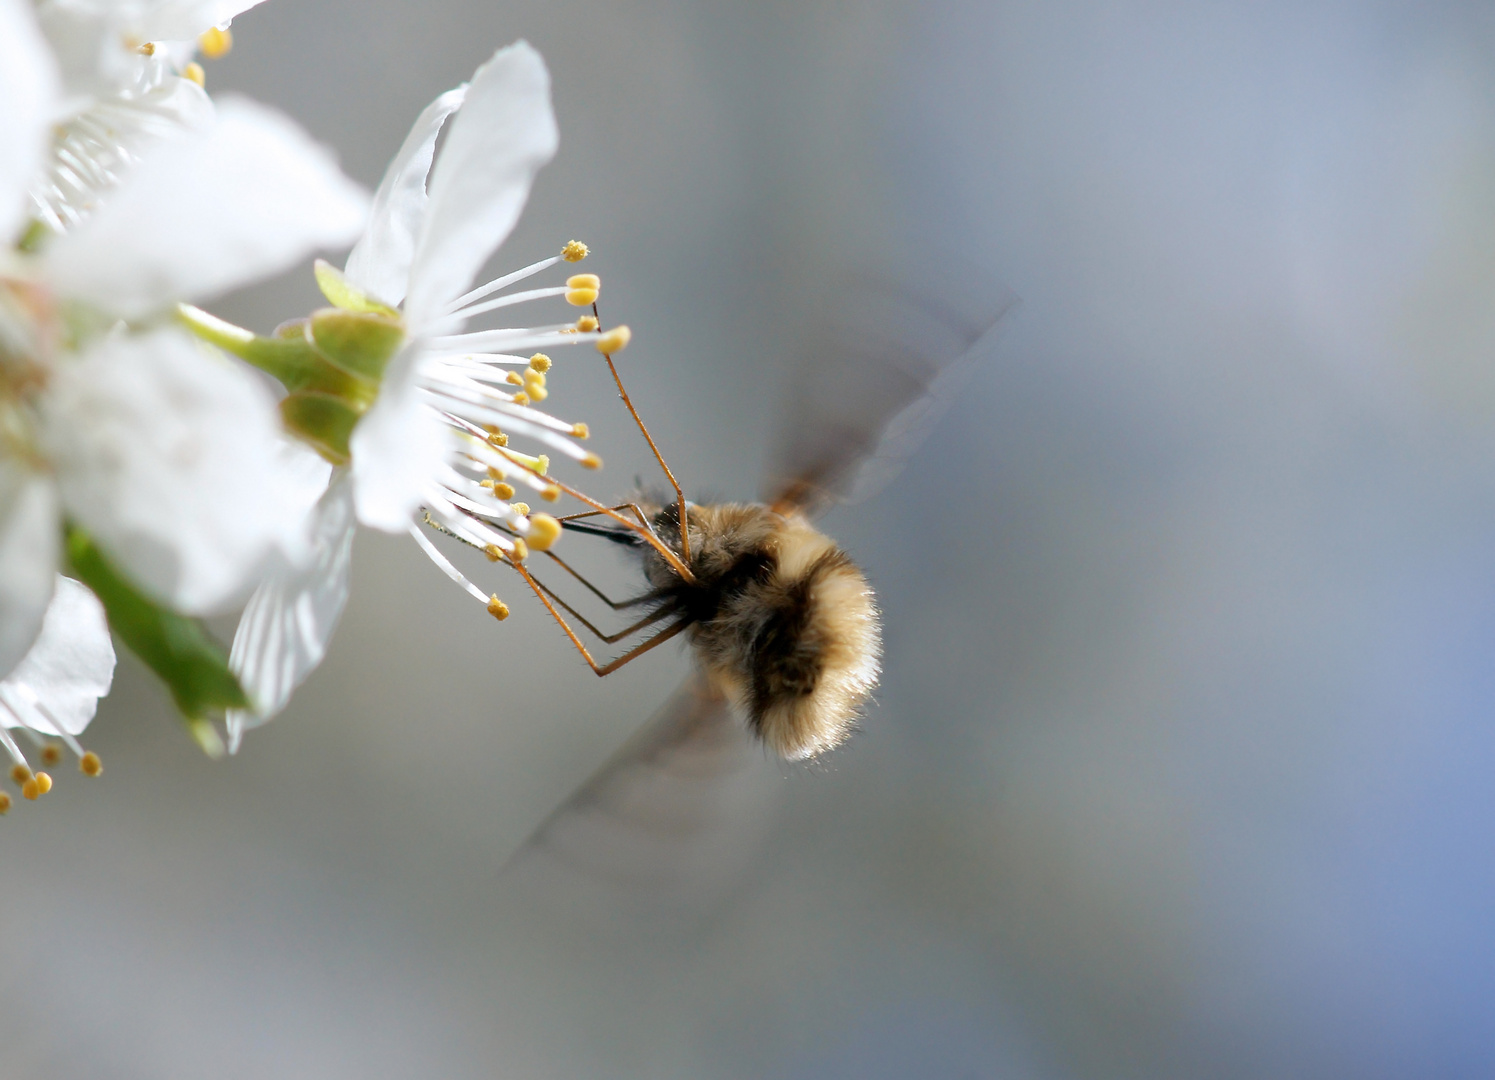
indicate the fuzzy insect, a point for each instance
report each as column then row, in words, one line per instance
column 780, row 619
column 783, row 625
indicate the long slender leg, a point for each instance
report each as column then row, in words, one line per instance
column 643, row 519
column 610, row 639
column 679, row 494
column 616, row 605
column 612, row 665
column 647, row 620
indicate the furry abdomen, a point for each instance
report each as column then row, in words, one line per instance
column 785, row 623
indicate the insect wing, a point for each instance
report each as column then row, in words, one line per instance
column 665, row 826
column 876, row 380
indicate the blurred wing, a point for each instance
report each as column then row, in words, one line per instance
column 875, row 382
column 667, row 826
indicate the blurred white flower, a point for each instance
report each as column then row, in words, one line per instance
column 437, row 435
column 128, row 80
column 106, row 48
column 55, row 689
column 165, row 451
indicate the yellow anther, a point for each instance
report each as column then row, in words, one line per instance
column 215, row 42
column 581, row 297
column 550, row 494
column 581, row 431
column 574, row 251
column 494, row 552
column 521, row 398
column 51, row 753
column 539, row 362
column 542, row 464
column 4, row 803
column 615, row 340
column 520, row 508
column 194, row 72
column 495, row 473
column 520, row 552
column 591, row 461
column 533, row 378
column 503, row 491
column 497, row 608
column 43, row 783
column 543, row 531
column 20, row 774
column 147, row 49
column 90, row 765
column 496, row 437
column 583, row 281
column 31, row 789
column 538, row 393
column 586, row 324
column 514, row 378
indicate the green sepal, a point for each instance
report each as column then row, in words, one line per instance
column 342, row 293
column 177, row 648
column 358, row 341
column 290, row 355
column 322, row 420
column 36, row 233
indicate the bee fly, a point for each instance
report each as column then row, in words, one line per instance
column 782, row 623
column 780, row 619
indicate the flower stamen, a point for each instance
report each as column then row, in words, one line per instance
column 216, row 42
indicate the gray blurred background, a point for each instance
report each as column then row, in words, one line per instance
column 1182, row 763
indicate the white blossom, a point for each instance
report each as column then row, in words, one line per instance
column 429, row 440
column 164, row 450
column 55, row 689
column 128, row 81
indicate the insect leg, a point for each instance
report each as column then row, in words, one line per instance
column 616, row 605
column 679, row 495
column 647, row 620
column 612, row 665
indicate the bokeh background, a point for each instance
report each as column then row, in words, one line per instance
column 1182, row 765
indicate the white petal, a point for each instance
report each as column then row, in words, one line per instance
column 380, row 263
column 397, row 448
column 248, row 198
column 166, row 451
column 185, row 20
column 28, row 94
column 503, row 135
column 69, row 668
column 97, row 148
column 285, row 629
column 91, row 44
column 29, row 546
column 303, row 475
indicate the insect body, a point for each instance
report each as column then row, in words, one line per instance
column 782, row 622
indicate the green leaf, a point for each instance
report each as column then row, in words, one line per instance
column 342, row 293
column 176, row 648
